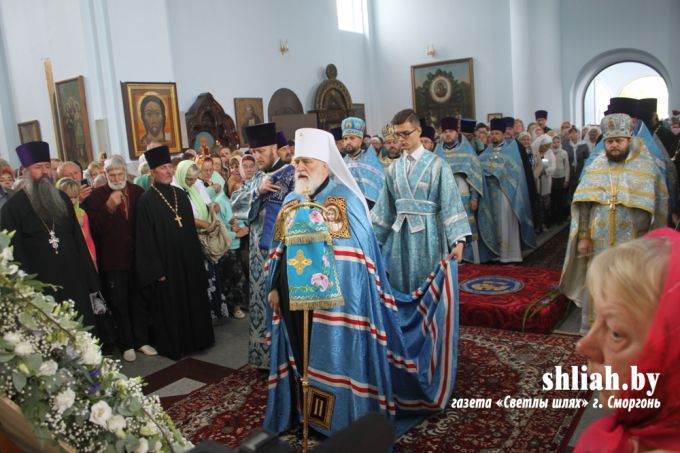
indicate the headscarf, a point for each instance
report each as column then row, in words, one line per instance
column 196, row 199
column 142, row 181
column 586, row 139
column 246, row 157
column 655, row 428
column 544, row 139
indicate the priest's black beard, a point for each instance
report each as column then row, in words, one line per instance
column 46, row 200
column 619, row 158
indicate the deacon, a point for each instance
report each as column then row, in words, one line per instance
column 621, row 196
column 361, row 357
column 169, row 263
column 258, row 202
column 48, row 240
column 112, row 210
column 362, row 163
column 504, row 214
column 391, row 150
column 467, row 171
column 419, row 218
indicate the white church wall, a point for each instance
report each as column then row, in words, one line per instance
column 597, row 34
column 468, row 28
column 33, row 30
column 231, row 49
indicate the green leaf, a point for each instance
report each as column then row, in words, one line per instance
column 19, row 380
column 27, row 321
column 120, row 446
column 34, row 361
column 135, row 405
column 6, row 357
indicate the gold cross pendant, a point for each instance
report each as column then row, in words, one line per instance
column 178, row 219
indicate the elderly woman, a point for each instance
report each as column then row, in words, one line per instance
column 636, row 298
column 6, row 178
column 185, row 178
column 144, row 180
column 232, row 278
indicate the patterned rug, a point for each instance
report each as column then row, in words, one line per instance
column 489, row 298
column 551, row 254
column 493, row 364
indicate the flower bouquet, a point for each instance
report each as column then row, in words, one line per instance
column 52, row 368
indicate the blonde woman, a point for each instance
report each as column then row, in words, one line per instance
column 636, row 299
column 72, row 189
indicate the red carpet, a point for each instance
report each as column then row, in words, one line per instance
column 492, row 364
column 536, row 307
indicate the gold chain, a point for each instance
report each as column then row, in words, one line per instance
column 174, row 210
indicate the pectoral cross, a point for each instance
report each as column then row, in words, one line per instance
column 299, row 262
column 54, row 242
column 612, row 203
column 178, row 219
column 612, row 219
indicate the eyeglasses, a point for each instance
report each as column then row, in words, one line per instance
column 404, row 134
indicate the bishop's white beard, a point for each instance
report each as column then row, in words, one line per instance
column 311, row 183
column 116, row 185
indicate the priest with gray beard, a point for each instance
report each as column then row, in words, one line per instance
column 48, row 240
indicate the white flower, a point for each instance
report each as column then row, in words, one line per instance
column 143, row 446
column 12, row 337
column 100, row 413
column 48, row 368
column 64, row 400
column 12, row 269
column 23, row 348
column 116, row 423
column 148, row 430
column 157, row 446
column 6, row 254
column 90, row 354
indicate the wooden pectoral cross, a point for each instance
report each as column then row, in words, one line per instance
column 178, row 219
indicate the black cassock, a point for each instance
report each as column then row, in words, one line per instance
column 179, row 309
column 69, row 267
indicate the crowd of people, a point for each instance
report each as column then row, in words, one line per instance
column 196, row 238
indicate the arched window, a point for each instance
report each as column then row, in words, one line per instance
column 627, row 79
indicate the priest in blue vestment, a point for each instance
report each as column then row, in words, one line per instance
column 371, row 348
column 362, row 163
column 419, row 218
column 258, row 203
column 467, row 171
column 504, row 215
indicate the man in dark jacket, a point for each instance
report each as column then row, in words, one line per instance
column 112, row 211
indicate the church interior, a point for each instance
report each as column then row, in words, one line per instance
column 75, row 74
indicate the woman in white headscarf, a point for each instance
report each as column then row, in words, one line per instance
column 543, row 173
